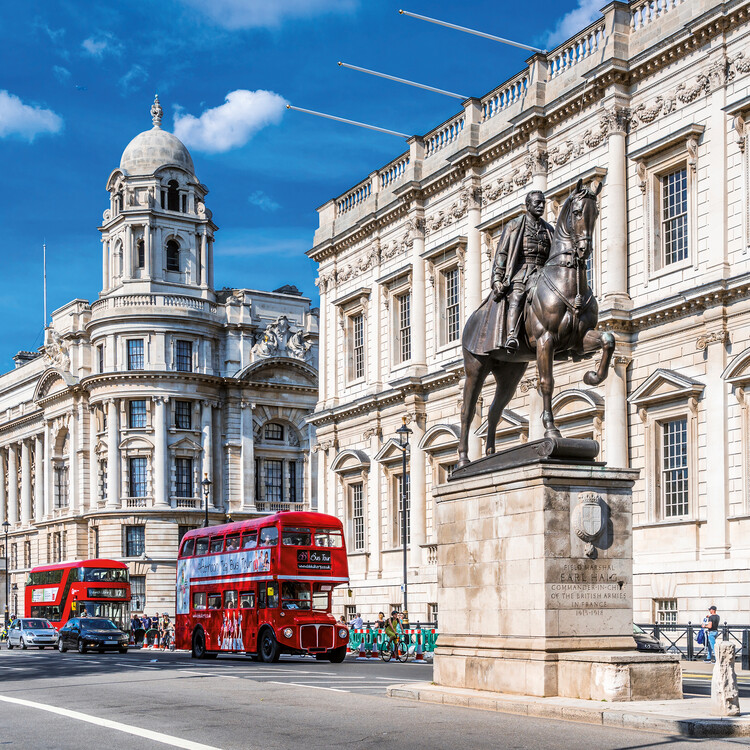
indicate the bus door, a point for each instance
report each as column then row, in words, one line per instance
column 268, row 601
column 248, row 616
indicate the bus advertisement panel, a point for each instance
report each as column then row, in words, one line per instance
column 81, row 588
column 262, row 586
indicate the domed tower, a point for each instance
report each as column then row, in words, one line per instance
column 157, row 233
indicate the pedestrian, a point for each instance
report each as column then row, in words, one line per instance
column 342, row 620
column 380, row 622
column 710, row 631
column 356, row 621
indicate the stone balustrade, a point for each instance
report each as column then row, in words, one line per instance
column 447, row 133
column 569, row 54
column 647, row 11
column 184, row 301
column 505, row 95
column 393, row 172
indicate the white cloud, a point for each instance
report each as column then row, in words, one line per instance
column 263, row 202
column 231, row 124
column 62, row 74
column 133, row 79
column 573, row 21
column 24, row 120
column 250, row 14
column 101, row 45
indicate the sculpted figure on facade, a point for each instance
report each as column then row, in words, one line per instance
column 298, row 347
column 57, row 351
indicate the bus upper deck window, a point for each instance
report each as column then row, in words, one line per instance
column 294, row 537
column 188, row 547
column 269, row 537
column 217, row 544
column 328, row 538
column 233, row 542
column 250, row 540
column 201, row 546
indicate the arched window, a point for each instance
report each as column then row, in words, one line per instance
column 140, row 254
column 173, row 197
column 173, row 256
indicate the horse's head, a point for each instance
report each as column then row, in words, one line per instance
column 582, row 213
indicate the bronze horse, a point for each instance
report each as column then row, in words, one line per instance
column 559, row 321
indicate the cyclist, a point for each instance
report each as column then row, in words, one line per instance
column 391, row 631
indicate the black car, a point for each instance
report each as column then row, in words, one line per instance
column 83, row 633
column 646, row 642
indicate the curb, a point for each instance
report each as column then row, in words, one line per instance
column 574, row 710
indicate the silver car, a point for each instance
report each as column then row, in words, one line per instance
column 31, row 631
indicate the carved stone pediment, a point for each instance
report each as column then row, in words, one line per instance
column 664, row 386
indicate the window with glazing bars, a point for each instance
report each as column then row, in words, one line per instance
column 100, row 356
column 135, row 354
column 137, row 414
column 590, row 270
column 184, row 356
column 404, row 327
column 404, row 496
column 665, row 611
column 61, row 486
column 358, row 346
column 138, row 483
column 184, row 477
column 102, row 478
column 273, row 431
column 138, row 593
column 135, row 541
column 675, row 467
column 452, row 306
column 182, row 415
column 674, row 216
column 273, row 476
column 358, row 515
column 292, row 481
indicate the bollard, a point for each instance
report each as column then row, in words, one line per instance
column 690, row 642
column 746, row 649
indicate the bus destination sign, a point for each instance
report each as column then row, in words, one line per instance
column 313, row 559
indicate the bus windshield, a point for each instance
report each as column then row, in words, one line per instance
column 296, row 595
column 103, row 575
column 118, row 612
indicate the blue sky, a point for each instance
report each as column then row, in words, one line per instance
column 78, row 79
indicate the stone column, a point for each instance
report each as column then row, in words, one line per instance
column 105, row 265
column 207, row 439
column 323, row 362
column 3, row 495
column 113, row 454
column 538, row 164
column 323, row 505
column 38, row 478
column 160, row 451
column 12, row 484
column 248, row 454
column 147, row 244
column 418, row 297
column 217, row 491
column 128, row 263
column 536, row 407
column 74, row 500
column 418, row 494
column 616, row 414
column 93, row 460
column 336, row 329
column 473, row 263
column 25, row 483
column 47, row 473
column 210, row 264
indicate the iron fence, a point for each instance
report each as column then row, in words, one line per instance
column 680, row 639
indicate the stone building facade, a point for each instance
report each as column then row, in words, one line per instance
column 107, row 432
column 651, row 100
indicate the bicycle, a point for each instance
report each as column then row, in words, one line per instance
column 401, row 649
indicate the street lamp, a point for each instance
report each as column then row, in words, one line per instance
column 206, row 484
column 6, row 526
column 403, row 433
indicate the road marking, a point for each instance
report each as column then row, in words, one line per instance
column 210, row 674
column 166, row 739
column 314, row 687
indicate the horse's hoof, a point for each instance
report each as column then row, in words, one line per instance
column 462, row 462
column 591, row 378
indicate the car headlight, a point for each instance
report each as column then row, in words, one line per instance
column 343, row 633
column 287, row 632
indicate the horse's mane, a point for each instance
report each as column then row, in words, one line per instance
column 562, row 219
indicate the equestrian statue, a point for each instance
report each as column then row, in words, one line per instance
column 540, row 307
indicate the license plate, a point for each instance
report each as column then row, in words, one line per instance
column 111, row 643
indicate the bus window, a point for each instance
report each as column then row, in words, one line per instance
column 201, row 546
column 187, row 548
column 292, row 537
column 247, row 600
column 269, row 537
column 233, row 542
column 217, row 544
column 214, row 601
column 268, row 596
column 103, row 575
column 295, row 595
column 230, row 600
column 250, row 540
column 199, row 600
column 328, row 538
column 322, row 597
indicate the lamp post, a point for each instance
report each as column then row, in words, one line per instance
column 206, row 484
column 6, row 526
column 403, row 433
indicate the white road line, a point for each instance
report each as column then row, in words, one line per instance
column 107, row 723
column 210, row 674
column 314, row 687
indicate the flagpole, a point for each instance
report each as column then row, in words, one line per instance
column 348, row 122
column 44, row 266
column 404, row 80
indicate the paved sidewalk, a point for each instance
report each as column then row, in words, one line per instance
column 689, row 717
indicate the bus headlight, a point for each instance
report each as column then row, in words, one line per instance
column 287, row 632
column 343, row 633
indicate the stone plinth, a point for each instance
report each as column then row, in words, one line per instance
column 534, row 569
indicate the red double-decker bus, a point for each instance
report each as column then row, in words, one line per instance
column 98, row 588
column 262, row 587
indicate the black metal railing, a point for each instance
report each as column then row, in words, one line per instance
column 680, row 639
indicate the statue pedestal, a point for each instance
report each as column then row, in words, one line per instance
column 535, row 570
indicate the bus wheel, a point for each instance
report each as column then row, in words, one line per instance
column 337, row 655
column 269, row 647
column 199, row 645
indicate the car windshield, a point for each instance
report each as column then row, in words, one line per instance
column 36, row 624
column 97, row 623
column 638, row 630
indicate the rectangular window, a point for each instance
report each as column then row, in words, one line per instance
column 590, row 270
column 214, row 601
column 249, row 540
column 247, row 600
column 100, row 357
column 452, row 305
column 432, row 613
column 674, row 217
column 403, row 490
column 135, row 541
column 140, row 252
column 358, row 515
column 184, row 477
column 404, row 327
column 61, row 486
column 292, row 481
column 230, row 599
column 273, row 431
column 27, row 554
column 138, row 593
column 102, row 478
column 350, row 611
column 138, row 482
column 135, row 354
column 183, row 415
column 675, row 467
column 217, row 544
column 94, row 542
column 358, row 346
column 137, row 414
column 184, row 356
column 182, row 530
column 665, row 611
column 199, row 600
column 273, row 484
